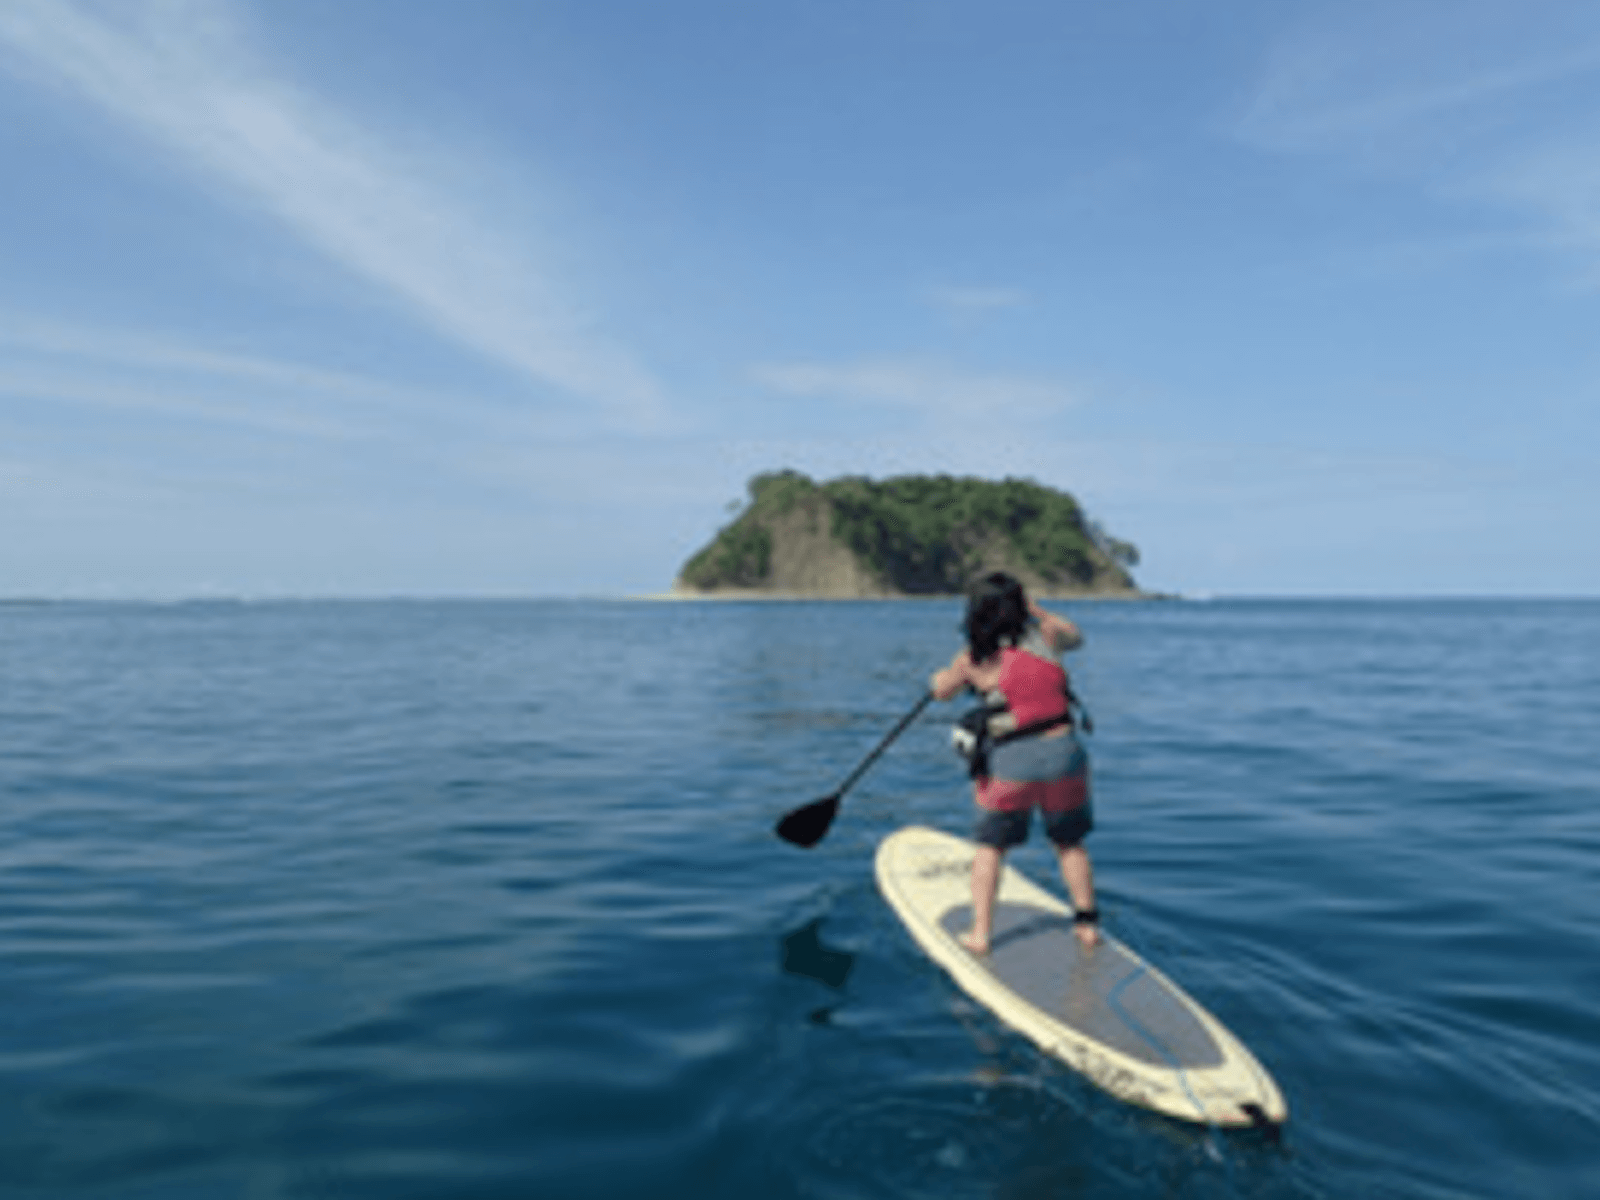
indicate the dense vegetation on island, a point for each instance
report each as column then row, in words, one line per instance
column 913, row 535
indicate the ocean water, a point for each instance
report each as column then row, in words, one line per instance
column 481, row 899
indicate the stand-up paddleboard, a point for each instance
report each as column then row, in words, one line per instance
column 1104, row 1012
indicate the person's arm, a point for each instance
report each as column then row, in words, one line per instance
column 1061, row 633
column 947, row 681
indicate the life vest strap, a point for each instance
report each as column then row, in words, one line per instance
column 1011, row 735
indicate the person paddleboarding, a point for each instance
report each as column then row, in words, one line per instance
column 1024, row 750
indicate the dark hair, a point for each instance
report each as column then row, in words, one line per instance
column 997, row 611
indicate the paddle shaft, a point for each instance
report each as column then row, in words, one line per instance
column 866, row 762
column 808, row 824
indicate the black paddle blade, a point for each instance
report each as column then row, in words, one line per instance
column 808, row 824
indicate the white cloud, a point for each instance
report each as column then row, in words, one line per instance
column 183, row 74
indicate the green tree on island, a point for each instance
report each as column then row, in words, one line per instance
column 920, row 534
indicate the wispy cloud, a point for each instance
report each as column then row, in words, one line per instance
column 1476, row 103
column 1318, row 95
column 150, row 378
column 965, row 303
column 122, row 350
column 158, row 416
column 184, row 75
column 933, row 389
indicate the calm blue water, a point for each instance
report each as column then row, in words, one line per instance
column 481, row 900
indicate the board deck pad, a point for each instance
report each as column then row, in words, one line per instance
column 1106, row 994
column 1105, row 1012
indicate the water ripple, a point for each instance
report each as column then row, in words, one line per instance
column 459, row 899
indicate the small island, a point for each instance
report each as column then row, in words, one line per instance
column 911, row 535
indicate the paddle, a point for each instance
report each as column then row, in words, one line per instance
column 808, row 824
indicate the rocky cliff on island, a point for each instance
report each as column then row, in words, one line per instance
column 912, row 535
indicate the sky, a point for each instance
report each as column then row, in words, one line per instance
column 512, row 297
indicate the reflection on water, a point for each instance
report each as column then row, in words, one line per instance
column 805, row 953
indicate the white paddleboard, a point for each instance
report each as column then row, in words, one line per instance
column 1104, row 1012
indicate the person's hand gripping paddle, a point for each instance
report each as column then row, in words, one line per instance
column 808, row 824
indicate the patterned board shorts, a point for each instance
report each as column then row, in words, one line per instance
column 1047, row 773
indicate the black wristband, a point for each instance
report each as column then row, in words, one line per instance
column 1086, row 916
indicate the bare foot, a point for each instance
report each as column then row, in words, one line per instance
column 974, row 943
column 1088, row 936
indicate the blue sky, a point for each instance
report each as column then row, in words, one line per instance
column 388, row 297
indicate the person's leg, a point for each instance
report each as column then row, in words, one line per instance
column 985, row 883
column 1078, row 874
column 1068, row 819
column 995, row 833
